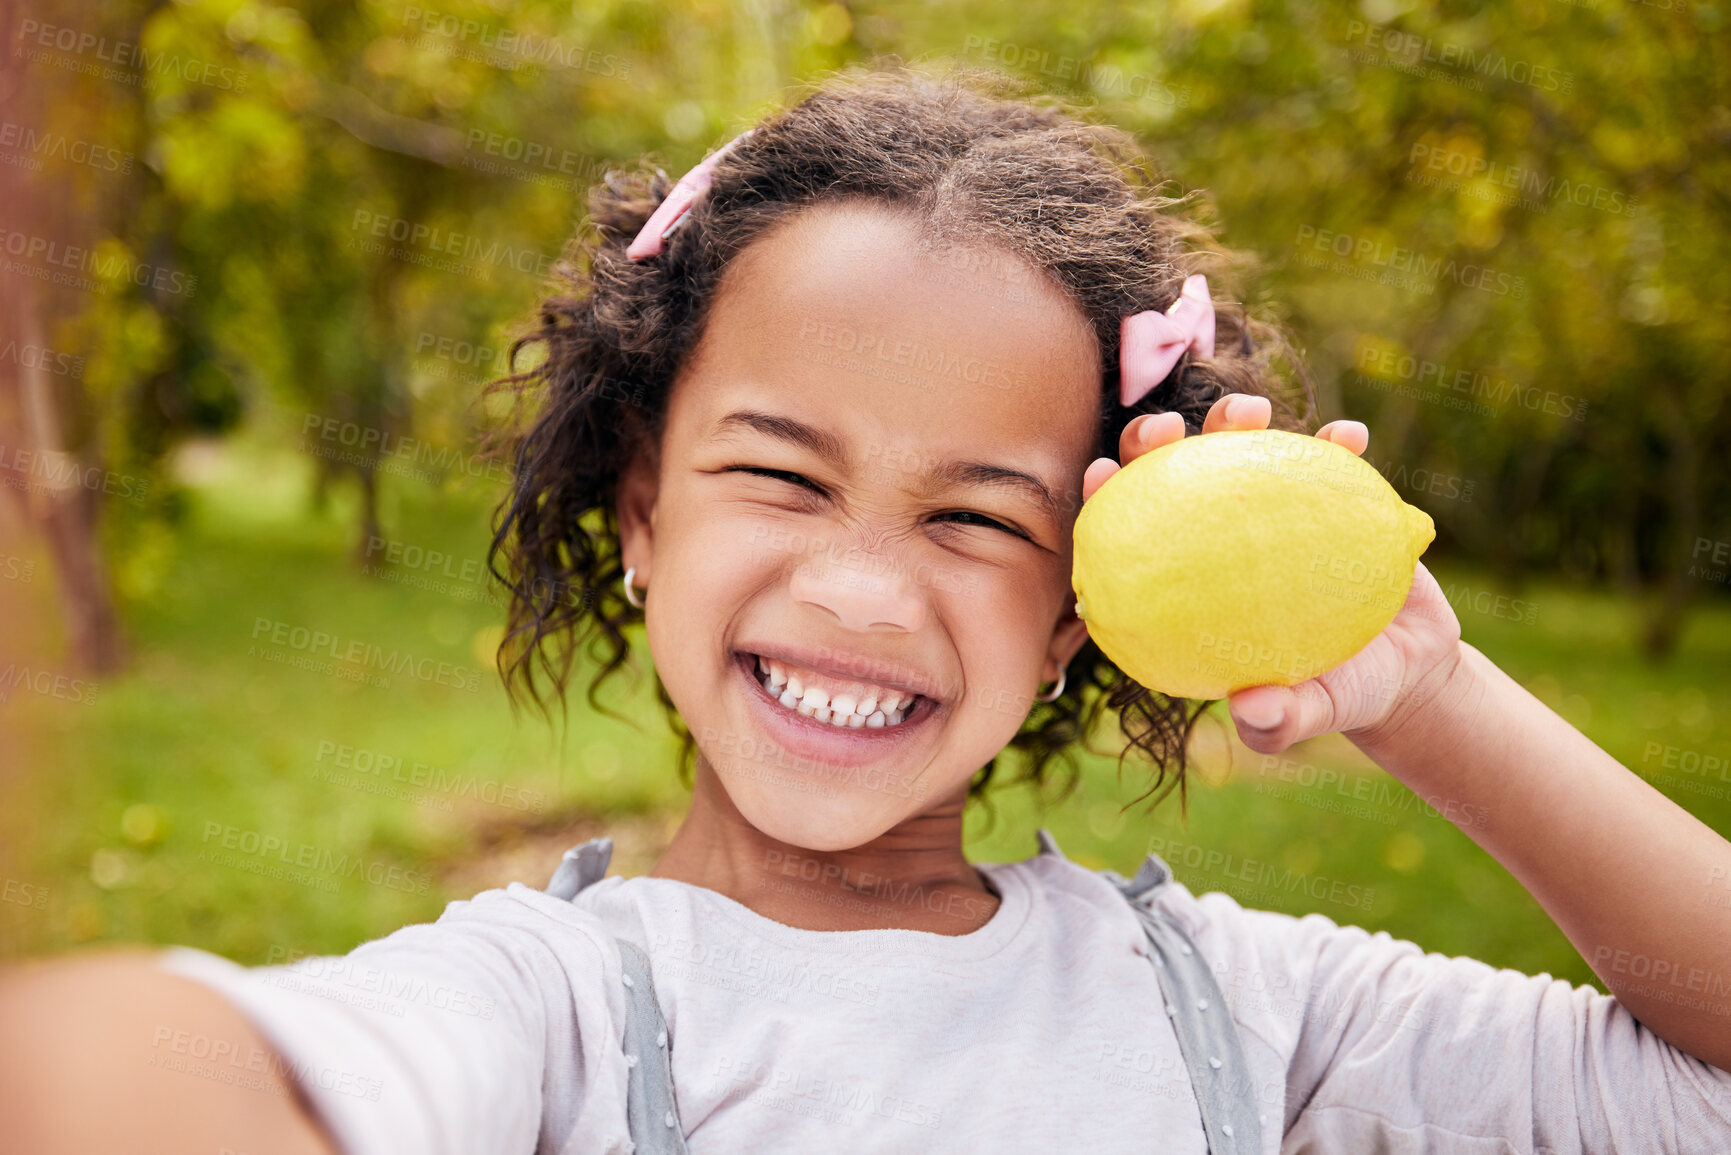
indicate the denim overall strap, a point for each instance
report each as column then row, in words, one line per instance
column 650, row 1109
column 1207, row 1036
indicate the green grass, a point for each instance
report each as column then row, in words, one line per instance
column 125, row 800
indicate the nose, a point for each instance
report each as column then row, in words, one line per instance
column 860, row 598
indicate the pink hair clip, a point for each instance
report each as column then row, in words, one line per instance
column 1150, row 342
column 671, row 212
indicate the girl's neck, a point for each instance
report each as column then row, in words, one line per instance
column 913, row 877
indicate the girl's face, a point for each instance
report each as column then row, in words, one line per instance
column 870, row 468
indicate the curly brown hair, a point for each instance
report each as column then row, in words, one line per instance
column 962, row 148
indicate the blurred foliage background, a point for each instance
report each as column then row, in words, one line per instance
column 260, row 258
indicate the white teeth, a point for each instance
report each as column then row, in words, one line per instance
column 845, row 712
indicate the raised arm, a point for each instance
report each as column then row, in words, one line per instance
column 96, row 1054
column 1626, row 873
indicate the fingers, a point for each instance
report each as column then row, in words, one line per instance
column 1353, row 436
column 1238, row 411
column 1149, row 431
column 1270, row 718
column 1096, row 474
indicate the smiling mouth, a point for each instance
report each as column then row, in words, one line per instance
column 883, row 710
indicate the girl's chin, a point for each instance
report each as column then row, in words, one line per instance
column 785, row 808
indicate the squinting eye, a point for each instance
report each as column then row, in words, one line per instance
column 982, row 520
column 986, row 521
column 778, row 474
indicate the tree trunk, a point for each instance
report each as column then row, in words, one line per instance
column 1676, row 588
column 67, row 508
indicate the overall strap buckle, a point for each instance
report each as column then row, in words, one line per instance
column 581, row 867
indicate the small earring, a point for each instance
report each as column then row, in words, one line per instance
column 628, row 594
column 1056, row 690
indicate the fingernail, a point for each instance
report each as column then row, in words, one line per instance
column 1265, row 716
column 1231, row 404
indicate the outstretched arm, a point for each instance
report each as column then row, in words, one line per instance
column 96, row 1054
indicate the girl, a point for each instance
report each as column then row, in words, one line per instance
column 822, row 416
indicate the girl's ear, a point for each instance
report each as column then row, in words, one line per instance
column 1067, row 638
column 638, row 491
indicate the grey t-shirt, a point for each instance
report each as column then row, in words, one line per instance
column 498, row 1028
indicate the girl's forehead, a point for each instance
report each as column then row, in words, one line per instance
column 850, row 302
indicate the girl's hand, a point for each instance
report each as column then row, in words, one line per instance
column 1372, row 694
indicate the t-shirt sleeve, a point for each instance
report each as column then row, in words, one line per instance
column 496, row 1028
column 1388, row 1048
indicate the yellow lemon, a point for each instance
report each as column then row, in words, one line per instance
column 1242, row 558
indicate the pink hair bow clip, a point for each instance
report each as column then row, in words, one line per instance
column 1150, row 342
column 671, row 212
